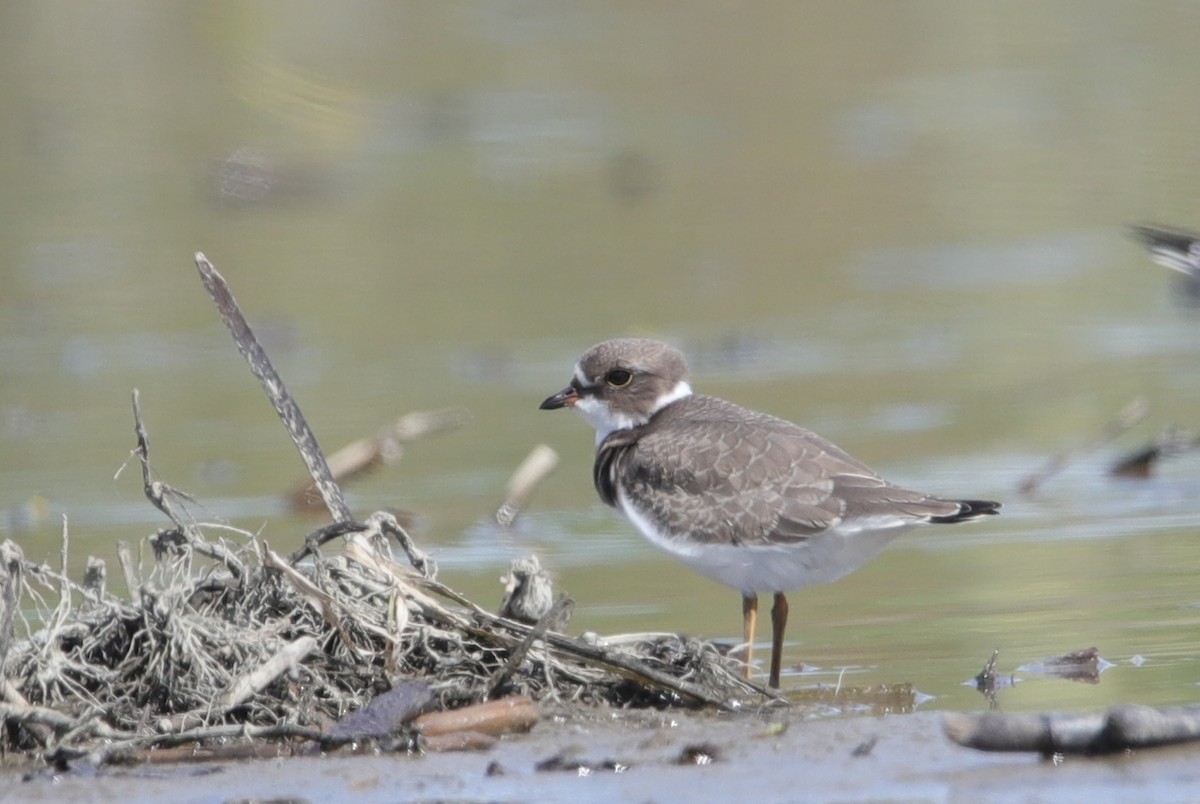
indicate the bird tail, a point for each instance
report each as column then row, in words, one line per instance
column 968, row 510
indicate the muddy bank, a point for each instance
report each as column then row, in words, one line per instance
column 660, row 756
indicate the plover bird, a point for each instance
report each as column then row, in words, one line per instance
column 751, row 501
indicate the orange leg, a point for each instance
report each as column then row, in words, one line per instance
column 779, row 615
column 749, row 620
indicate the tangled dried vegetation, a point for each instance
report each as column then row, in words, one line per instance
column 221, row 637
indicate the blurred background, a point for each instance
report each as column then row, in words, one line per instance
column 902, row 225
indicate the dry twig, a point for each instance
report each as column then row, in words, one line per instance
column 272, row 383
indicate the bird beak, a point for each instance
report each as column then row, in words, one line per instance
column 565, row 398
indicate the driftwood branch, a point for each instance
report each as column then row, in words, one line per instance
column 382, row 449
column 283, row 402
column 540, row 462
column 1123, row 727
column 297, row 426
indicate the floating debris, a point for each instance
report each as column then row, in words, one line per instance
column 532, row 471
column 989, row 682
column 1142, row 462
column 383, row 449
column 1128, row 416
column 1081, row 665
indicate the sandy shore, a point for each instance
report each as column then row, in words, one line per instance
column 640, row 756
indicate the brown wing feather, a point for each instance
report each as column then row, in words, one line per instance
column 747, row 478
column 782, row 493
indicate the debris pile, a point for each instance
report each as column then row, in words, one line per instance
column 221, row 637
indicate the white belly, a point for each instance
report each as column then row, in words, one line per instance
column 822, row 558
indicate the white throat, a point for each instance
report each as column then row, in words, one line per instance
column 599, row 415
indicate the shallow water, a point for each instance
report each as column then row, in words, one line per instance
column 899, row 227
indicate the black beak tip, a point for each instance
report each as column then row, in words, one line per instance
column 560, row 400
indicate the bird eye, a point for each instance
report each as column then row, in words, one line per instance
column 618, row 378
